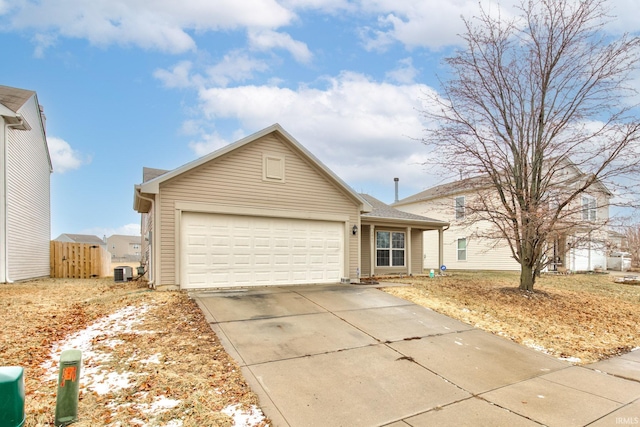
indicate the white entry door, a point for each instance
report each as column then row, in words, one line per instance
column 219, row 250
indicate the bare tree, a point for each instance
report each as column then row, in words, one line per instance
column 526, row 95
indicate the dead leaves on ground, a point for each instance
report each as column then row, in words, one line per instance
column 172, row 355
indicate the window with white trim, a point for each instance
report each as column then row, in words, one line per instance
column 459, row 206
column 390, row 249
column 589, row 208
column 462, row 249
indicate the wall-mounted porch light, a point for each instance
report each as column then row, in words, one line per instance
column 354, row 230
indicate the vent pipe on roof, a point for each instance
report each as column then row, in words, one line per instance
column 396, row 181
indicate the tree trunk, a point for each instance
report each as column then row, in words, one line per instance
column 527, row 278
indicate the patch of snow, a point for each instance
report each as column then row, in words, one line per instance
column 174, row 423
column 242, row 418
column 535, row 346
column 154, row 358
column 541, row 349
column 122, row 321
column 161, row 404
column 458, row 342
column 104, row 383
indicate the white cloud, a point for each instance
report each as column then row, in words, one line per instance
column 417, row 23
column 63, row 157
column 269, row 39
column 625, row 17
column 207, row 144
column 435, row 24
column 327, row 6
column 162, row 25
column 360, row 128
column 405, row 73
column 236, row 66
column 177, row 77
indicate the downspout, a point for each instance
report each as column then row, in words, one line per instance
column 153, row 239
column 5, row 221
column 441, row 231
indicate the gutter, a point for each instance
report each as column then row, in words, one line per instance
column 152, row 275
column 5, row 223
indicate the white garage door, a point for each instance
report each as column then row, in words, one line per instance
column 584, row 259
column 228, row 250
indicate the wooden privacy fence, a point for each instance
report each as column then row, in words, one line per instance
column 79, row 260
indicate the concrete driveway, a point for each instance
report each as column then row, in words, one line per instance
column 356, row 356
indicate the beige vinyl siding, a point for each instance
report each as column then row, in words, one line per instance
column 236, row 180
column 365, row 250
column 482, row 254
column 28, row 198
column 417, row 251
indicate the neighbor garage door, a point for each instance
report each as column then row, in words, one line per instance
column 229, row 250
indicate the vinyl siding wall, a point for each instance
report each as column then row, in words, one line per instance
column 417, row 251
column 487, row 254
column 482, row 254
column 28, row 198
column 236, row 180
column 365, row 245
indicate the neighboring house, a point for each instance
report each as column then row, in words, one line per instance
column 265, row 211
column 580, row 245
column 81, row 238
column 123, row 247
column 25, row 173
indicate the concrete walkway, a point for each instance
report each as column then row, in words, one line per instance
column 356, row 356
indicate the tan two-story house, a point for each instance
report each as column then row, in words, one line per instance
column 578, row 243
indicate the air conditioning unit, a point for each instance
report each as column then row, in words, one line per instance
column 122, row 274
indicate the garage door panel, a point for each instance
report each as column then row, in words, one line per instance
column 195, row 260
column 226, row 250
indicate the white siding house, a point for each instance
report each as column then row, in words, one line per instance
column 25, row 169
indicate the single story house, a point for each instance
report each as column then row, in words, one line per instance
column 265, row 211
column 25, row 176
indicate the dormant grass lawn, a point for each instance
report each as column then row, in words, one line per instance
column 149, row 358
column 582, row 317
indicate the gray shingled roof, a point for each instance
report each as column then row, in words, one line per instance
column 382, row 210
column 14, row 98
column 150, row 173
column 473, row 183
column 80, row 238
column 126, row 237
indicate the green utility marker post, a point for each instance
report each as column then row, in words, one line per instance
column 11, row 396
column 68, row 387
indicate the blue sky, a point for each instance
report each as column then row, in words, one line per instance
column 133, row 83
